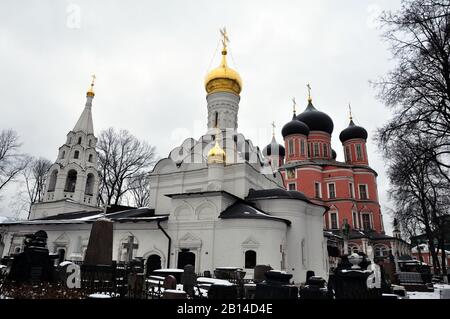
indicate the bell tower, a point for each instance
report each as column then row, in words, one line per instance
column 72, row 181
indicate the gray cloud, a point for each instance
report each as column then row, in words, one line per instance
column 150, row 58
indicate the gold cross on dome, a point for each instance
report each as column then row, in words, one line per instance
column 273, row 128
column 309, row 92
column 225, row 39
column 93, row 79
column 294, row 103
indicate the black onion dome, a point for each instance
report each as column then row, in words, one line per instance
column 316, row 120
column 294, row 127
column 333, row 154
column 353, row 131
column 274, row 148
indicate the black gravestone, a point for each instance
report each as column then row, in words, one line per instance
column 34, row 263
column 276, row 286
column 99, row 250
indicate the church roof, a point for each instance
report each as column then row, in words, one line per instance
column 143, row 214
column 243, row 210
column 276, row 193
column 85, row 123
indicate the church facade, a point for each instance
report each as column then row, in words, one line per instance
column 215, row 201
column 308, row 164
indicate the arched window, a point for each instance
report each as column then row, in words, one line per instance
column 61, row 255
column 69, row 140
column 76, row 154
column 353, row 249
column 52, row 182
column 381, row 251
column 250, row 259
column 90, row 143
column 90, row 180
column 79, row 140
column 90, row 158
column 63, row 154
column 71, row 181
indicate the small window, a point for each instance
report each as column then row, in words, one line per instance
column 291, row 147
column 69, row 140
column 250, row 259
column 292, row 186
column 331, row 190
column 79, row 140
column 347, row 154
column 302, row 147
column 90, row 143
column 359, row 156
column 76, row 155
column 90, row 158
column 309, row 149
column 350, row 190
column 355, row 220
column 363, row 192
column 366, row 221
column 316, row 150
column 317, row 192
column 63, row 154
column 333, row 220
column 325, row 150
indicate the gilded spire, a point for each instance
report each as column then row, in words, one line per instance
column 223, row 78
column 90, row 91
column 309, row 92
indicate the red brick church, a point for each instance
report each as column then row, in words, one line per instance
column 349, row 189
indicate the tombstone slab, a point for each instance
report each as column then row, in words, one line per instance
column 99, row 250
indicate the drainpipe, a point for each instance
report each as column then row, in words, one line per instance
column 170, row 243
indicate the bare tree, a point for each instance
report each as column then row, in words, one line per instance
column 11, row 161
column 35, row 176
column 122, row 158
column 140, row 190
column 418, row 88
column 420, row 193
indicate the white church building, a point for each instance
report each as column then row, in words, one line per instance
column 215, row 201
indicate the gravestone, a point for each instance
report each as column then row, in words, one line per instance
column 276, row 286
column 350, row 279
column 99, row 250
column 34, row 263
column 259, row 271
column 217, row 291
column 189, row 280
column 170, row 282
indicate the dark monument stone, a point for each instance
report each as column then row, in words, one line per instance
column 170, row 282
column 276, row 286
column 34, row 263
column 99, row 250
column 349, row 280
column 259, row 271
column 222, row 292
column 315, row 288
column 189, row 279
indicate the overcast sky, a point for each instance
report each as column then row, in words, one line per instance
column 150, row 59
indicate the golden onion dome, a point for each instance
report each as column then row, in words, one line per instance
column 223, row 78
column 216, row 155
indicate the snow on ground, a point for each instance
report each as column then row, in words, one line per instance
column 436, row 294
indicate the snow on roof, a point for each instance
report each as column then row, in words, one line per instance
column 169, row 270
column 214, row 281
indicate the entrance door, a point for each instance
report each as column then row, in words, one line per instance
column 185, row 257
column 153, row 263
